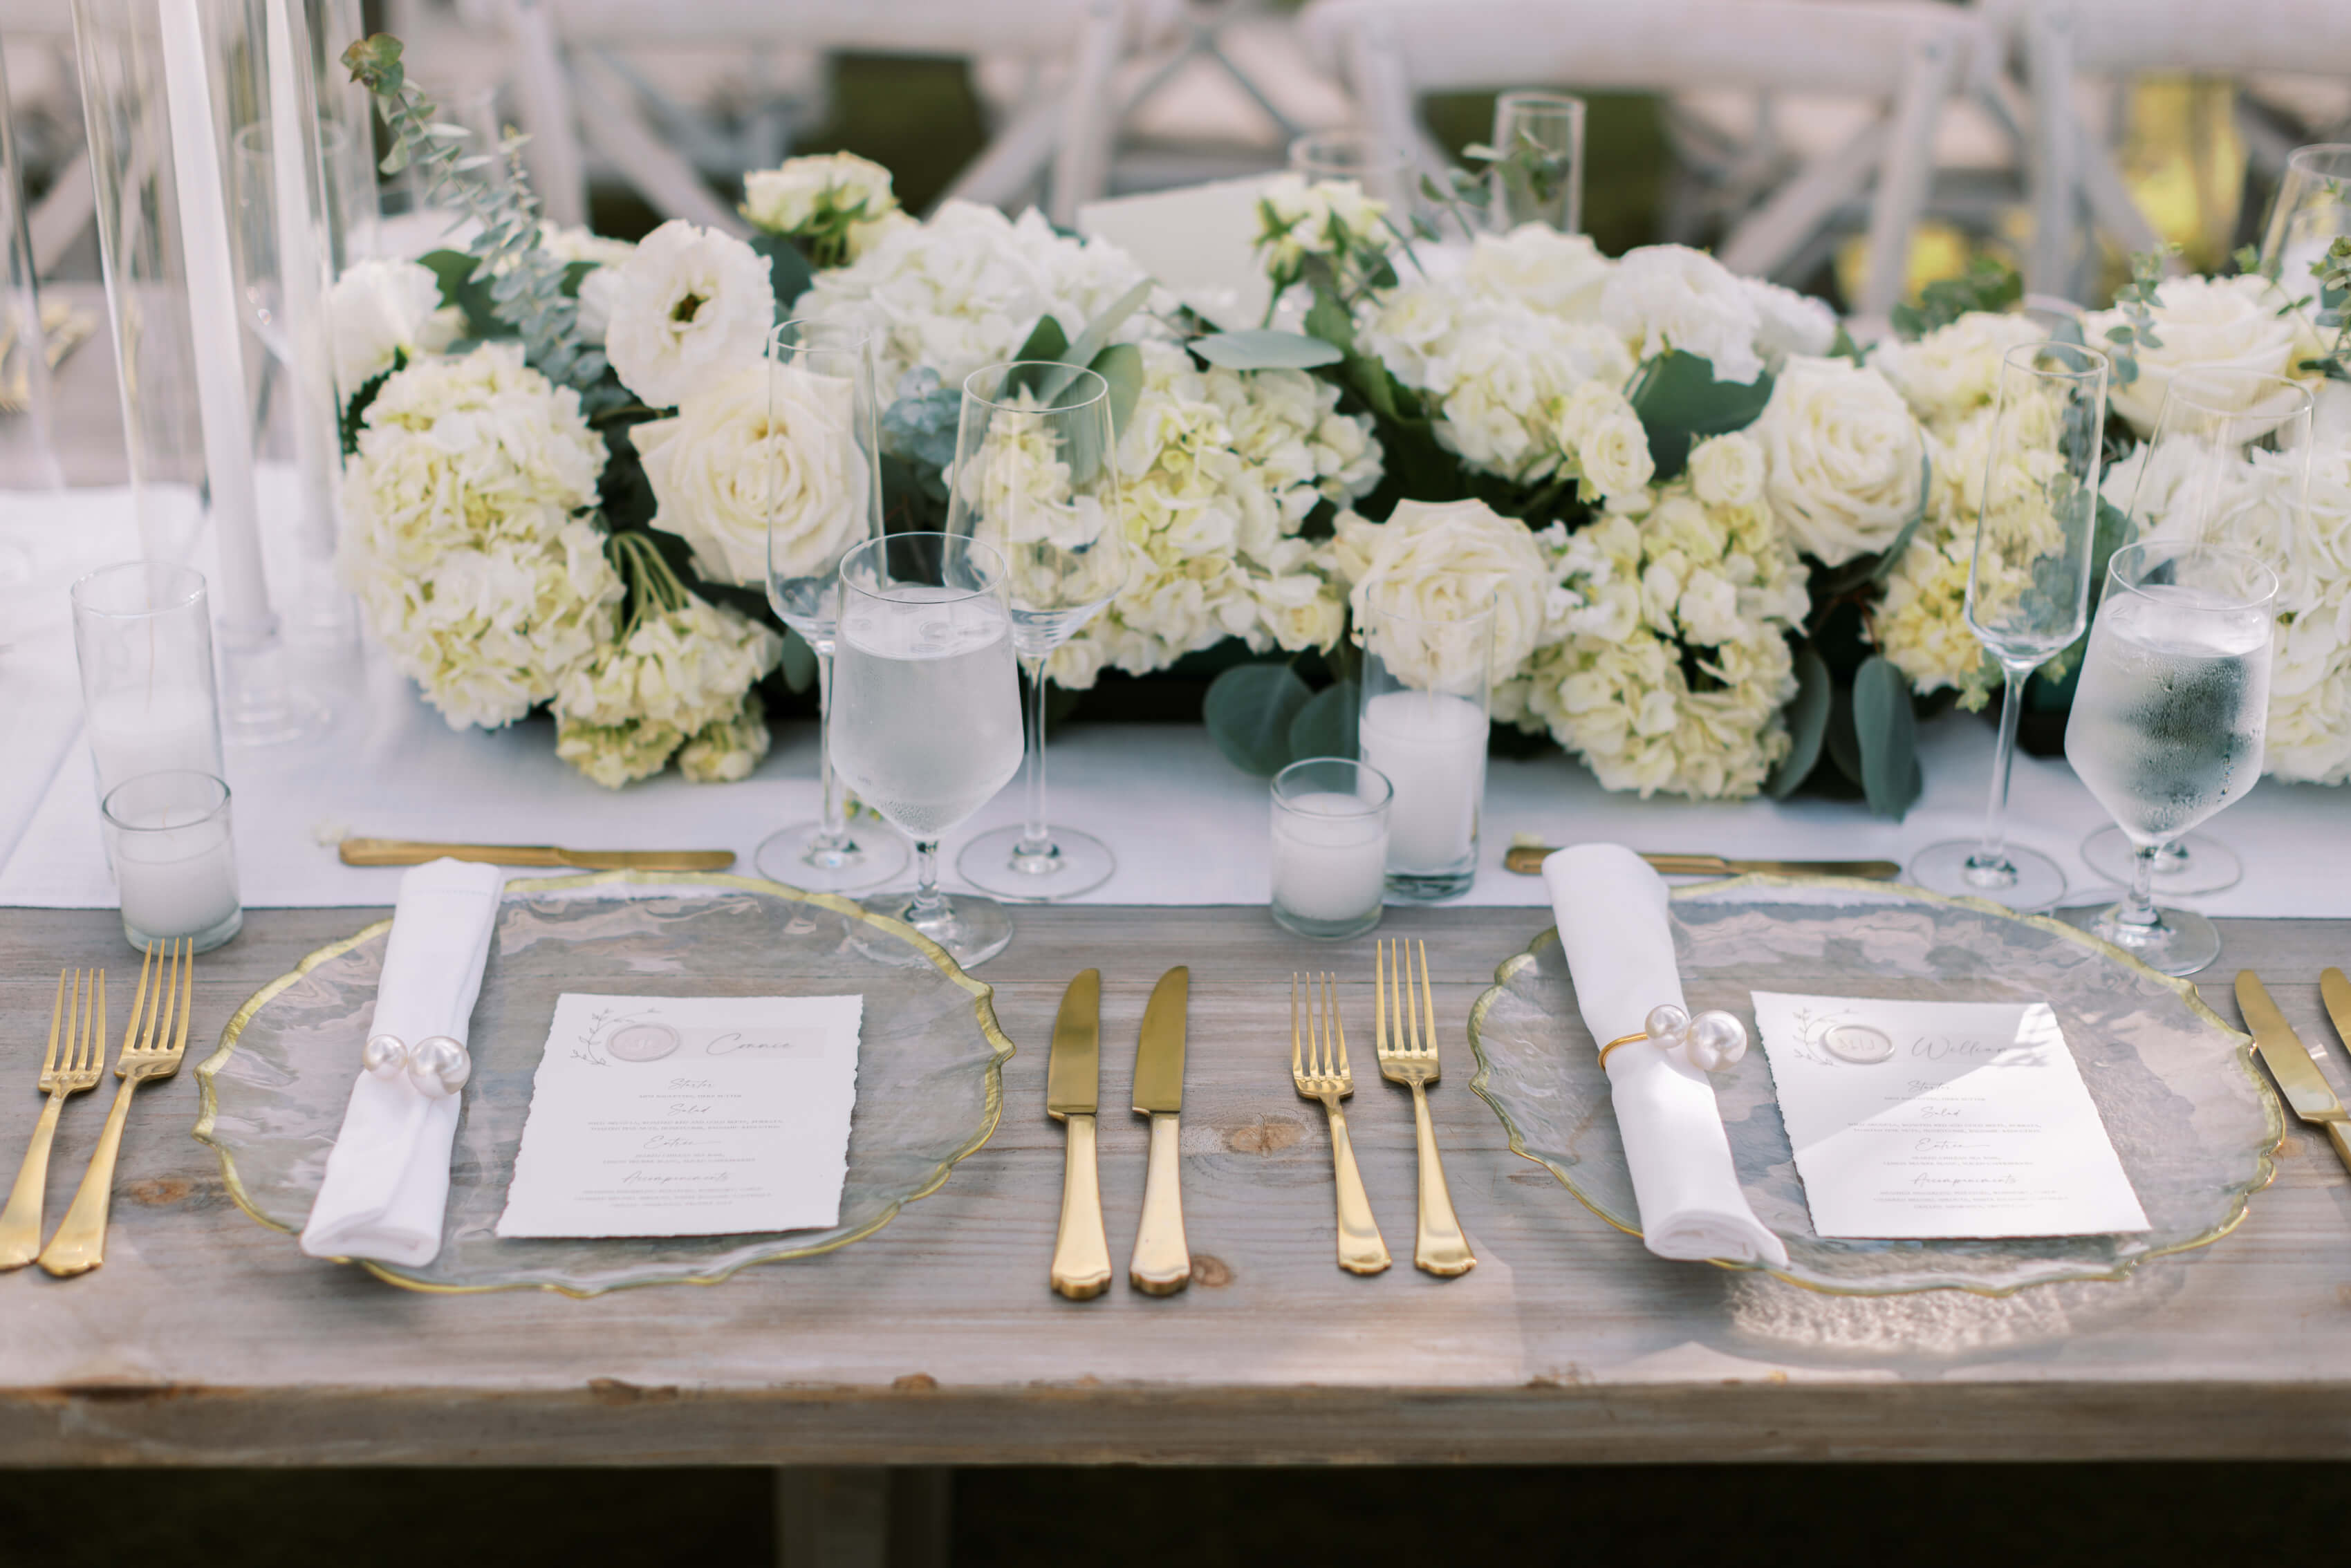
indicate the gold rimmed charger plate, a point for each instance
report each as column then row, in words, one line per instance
column 929, row 1072
column 2193, row 1122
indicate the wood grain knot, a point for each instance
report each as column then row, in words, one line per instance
column 158, row 1190
column 1210, row 1271
column 916, row 1382
column 1265, row 1136
column 613, row 1391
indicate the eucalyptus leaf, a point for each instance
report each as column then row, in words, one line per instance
column 1327, row 319
column 1120, row 365
column 1091, row 341
column 800, row 662
column 1679, row 402
column 1325, row 726
column 1807, row 724
column 1046, row 340
column 1248, row 711
column 453, row 271
column 788, row 270
column 1260, row 348
column 1887, row 733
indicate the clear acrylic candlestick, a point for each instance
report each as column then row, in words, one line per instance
column 29, row 457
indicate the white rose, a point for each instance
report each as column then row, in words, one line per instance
column 2201, row 322
column 379, row 309
column 1434, row 564
column 1665, row 296
column 1844, row 458
column 789, row 199
column 1728, row 470
column 727, row 454
column 1614, row 457
column 691, row 306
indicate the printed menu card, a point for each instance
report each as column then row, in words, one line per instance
column 687, row 1116
column 1940, row 1119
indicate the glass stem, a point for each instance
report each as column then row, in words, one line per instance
column 1036, row 835
column 1994, row 849
column 832, row 819
column 929, row 903
column 2137, row 910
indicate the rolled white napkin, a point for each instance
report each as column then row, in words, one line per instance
column 1620, row 949
column 387, row 1182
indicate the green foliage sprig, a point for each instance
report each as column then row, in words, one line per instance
column 2136, row 300
column 1989, row 284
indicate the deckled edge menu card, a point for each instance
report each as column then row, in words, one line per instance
column 1915, row 1120
column 687, row 1116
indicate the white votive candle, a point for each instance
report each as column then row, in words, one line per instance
column 174, row 859
column 1431, row 747
column 1329, row 847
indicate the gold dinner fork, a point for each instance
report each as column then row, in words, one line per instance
column 80, row 1008
column 79, row 1244
column 1362, row 1248
column 1409, row 1056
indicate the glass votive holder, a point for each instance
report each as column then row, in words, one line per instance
column 174, row 859
column 1329, row 846
column 1425, row 695
column 143, row 637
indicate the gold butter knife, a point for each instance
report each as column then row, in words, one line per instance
column 1161, row 1264
column 2298, row 1078
column 1527, row 861
column 412, row 851
column 2335, row 991
column 1072, row 1095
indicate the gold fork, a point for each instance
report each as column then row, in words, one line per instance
column 1409, row 1056
column 1362, row 1248
column 80, row 1006
column 79, row 1244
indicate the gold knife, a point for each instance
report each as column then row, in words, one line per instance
column 1072, row 1094
column 1162, row 1265
column 2298, row 1078
column 1527, row 861
column 2337, row 992
column 411, row 851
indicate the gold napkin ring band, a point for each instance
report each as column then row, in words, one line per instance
column 1711, row 1042
column 1634, row 1038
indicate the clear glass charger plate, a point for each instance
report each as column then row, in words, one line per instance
column 929, row 1067
column 2194, row 1125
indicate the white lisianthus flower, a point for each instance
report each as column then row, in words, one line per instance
column 2205, row 322
column 752, row 445
column 378, row 311
column 1296, row 219
column 1665, row 296
column 1953, row 371
column 1728, row 470
column 1432, row 564
column 1844, row 458
column 1788, row 323
column 691, row 305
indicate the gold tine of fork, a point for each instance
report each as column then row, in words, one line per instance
column 1379, row 997
column 188, row 993
column 1297, row 1062
column 1338, row 1028
column 56, row 1010
column 1428, row 1004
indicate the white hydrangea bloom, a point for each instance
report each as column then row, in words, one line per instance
column 691, row 305
column 378, row 311
column 1664, row 297
column 1954, row 371
column 679, row 674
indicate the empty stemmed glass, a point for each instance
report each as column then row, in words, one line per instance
column 2168, row 719
column 1036, row 477
column 2312, row 211
column 1536, row 174
column 925, row 721
column 2028, row 586
column 824, row 474
column 2227, row 463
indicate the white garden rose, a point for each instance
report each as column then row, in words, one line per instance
column 692, row 305
column 1728, row 470
column 1953, row 371
column 732, row 454
column 1664, row 297
column 1430, row 564
column 2232, row 322
column 1613, row 458
column 378, row 311
column 1844, row 458
column 839, row 201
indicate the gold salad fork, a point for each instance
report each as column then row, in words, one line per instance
column 80, row 1008
column 1409, row 1056
column 79, row 1244
column 1318, row 1065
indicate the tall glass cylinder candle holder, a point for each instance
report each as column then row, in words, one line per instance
column 142, row 633
column 29, row 454
column 1536, row 175
column 174, row 859
column 1423, row 723
column 1330, row 817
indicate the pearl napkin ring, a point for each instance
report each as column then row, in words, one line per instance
column 436, row 1064
column 1713, row 1041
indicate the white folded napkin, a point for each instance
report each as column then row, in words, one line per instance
column 387, row 1180
column 1620, row 949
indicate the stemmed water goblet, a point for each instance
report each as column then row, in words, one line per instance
column 925, row 722
column 2028, row 586
column 1036, row 477
column 824, row 499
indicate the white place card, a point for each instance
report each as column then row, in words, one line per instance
column 687, row 1116
column 1940, row 1119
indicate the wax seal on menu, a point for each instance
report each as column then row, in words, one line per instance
column 1858, row 1043
column 643, row 1042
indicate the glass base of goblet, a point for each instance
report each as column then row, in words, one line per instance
column 2180, row 942
column 2019, row 879
column 2192, row 864
column 801, row 857
column 1074, row 863
column 973, row 929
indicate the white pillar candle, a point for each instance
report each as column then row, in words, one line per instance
column 176, row 881
column 1329, row 857
column 161, row 729
column 1431, row 747
column 301, row 280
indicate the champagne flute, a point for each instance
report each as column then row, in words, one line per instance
column 824, row 422
column 2312, row 211
column 2028, row 586
column 2167, row 722
column 2224, row 441
column 1036, row 476
column 1537, row 174
column 1382, row 170
column 925, row 722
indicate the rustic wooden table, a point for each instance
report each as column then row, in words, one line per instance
column 207, row 1339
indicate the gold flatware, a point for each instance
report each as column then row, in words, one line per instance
column 81, row 1008
column 1072, row 1095
column 2298, row 1078
column 2335, row 991
column 1161, row 1264
column 1321, row 1072
column 1527, row 861
column 79, row 1244
column 64, row 328
column 1408, row 1056
column 414, row 851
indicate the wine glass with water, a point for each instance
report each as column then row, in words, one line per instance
column 2168, row 720
column 926, row 720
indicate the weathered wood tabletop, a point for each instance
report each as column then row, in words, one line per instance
column 207, row 1339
